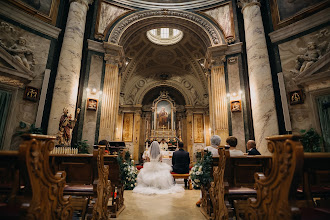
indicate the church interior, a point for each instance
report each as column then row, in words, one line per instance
column 87, row 85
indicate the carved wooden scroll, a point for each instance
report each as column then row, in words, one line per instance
column 100, row 210
column 217, row 189
column 47, row 189
column 273, row 191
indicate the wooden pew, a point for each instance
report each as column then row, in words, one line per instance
column 36, row 192
column 117, row 199
column 277, row 196
column 237, row 182
column 87, row 178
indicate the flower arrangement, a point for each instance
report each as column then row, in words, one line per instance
column 200, row 173
column 128, row 171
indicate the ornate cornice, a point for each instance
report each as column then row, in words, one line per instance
column 121, row 26
column 114, row 54
column 247, row 3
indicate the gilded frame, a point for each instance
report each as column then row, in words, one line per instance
column 278, row 23
column 49, row 18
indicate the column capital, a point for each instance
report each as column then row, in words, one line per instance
column 114, row 54
column 83, row 2
column 246, row 3
column 215, row 56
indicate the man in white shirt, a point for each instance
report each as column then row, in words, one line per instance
column 232, row 142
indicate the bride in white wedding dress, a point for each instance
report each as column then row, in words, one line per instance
column 155, row 177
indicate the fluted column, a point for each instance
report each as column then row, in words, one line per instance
column 68, row 70
column 110, row 96
column 260, row 79
column 219, row 101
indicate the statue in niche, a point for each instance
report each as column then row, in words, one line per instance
column 312, row 54
column 21, row 52
column 65, row 126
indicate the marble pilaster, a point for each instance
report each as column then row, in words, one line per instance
column 68, row 71
column 110, row 96
column 207, row 130
column 219, row 100
column 260, row 79
column 189, row 129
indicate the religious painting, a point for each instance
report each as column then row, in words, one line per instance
column 92, row 104
column 31, row 94
column 296, row 97
column 198, row 128
column 235, row 106
column 44, row 9
column 163, row 115
column 128, row 127
column 285, row 12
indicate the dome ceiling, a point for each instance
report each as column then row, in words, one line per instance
column 153, row 66
column 168, row 4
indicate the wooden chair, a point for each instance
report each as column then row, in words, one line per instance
column 42, row 194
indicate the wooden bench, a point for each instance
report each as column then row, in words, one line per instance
column 237, row 182
column 184, row 176
column 87, row 179
column 277, row 196
column 36, row 192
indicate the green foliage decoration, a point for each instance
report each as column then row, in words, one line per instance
column 82, row 147
column 311, row 140
column 31, row 130
column 200, row 173
column 128, row 171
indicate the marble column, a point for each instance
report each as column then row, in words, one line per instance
column 207, row 129
column 110, row 96
column 68, row 70
column 260, row 79
column 136, row 134
column 219, row 100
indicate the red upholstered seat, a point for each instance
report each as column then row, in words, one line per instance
column 139, row 167
column 315, row 213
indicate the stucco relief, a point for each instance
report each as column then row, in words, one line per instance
column 295, row 56
column 223, row 15
column 107, row 14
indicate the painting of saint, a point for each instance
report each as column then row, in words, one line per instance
column 164, row 115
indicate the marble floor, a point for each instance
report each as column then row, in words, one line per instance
column 179, row 206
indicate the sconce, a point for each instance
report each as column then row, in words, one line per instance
column 93, row 91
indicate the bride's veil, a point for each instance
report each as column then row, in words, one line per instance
column 154, row 150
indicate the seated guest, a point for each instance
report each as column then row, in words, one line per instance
column 251, row 146
column 106, row 144
column 181, row 160
column 215, row 143
column 232, row 142
column 163, row 145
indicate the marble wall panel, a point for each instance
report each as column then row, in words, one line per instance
column 107, row 14
column 301, row 114
column 237, row 120
column 94, row 81
column 223, row 16
column 24, row 110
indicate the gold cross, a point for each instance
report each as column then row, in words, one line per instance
column 163, row 127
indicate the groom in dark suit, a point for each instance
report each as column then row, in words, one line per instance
column 181, row 160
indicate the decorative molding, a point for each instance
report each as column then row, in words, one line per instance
column 122, row 25
column 95, row 46
column 28, row 20
column 114, row 54
column 188, row 5
column 305, row 24
column 232, row 60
